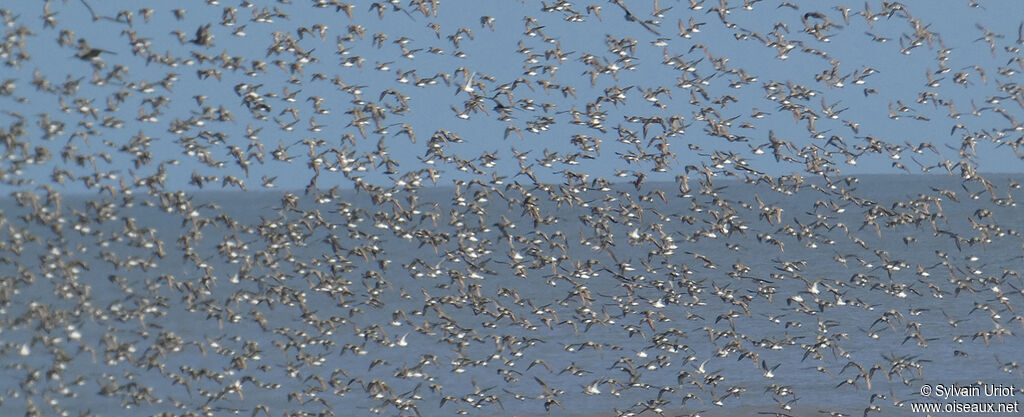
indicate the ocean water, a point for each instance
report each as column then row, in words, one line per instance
column 340, row 303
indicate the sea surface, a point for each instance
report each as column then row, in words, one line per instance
column 340, row 303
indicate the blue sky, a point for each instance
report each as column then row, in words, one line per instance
column 492, row 59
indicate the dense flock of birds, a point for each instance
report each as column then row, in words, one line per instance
column 120, row 285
